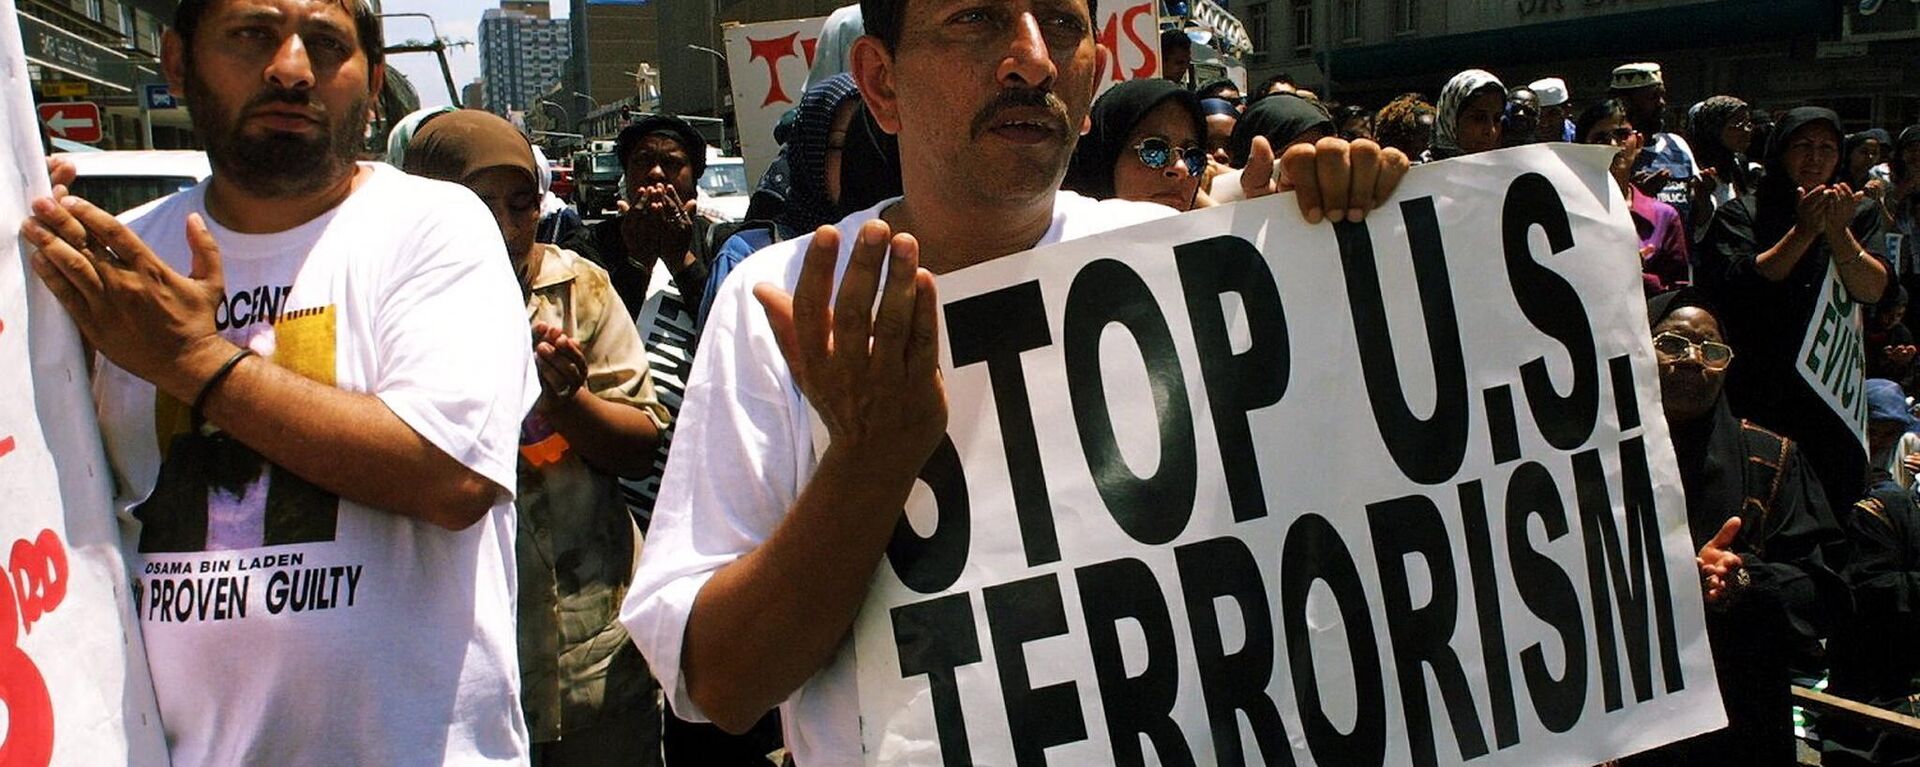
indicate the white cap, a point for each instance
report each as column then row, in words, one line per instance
column 1551, row 90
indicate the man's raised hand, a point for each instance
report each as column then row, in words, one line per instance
column 873, row 377
column 1333, row 179
column 131, row 306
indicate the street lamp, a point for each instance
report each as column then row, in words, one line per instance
column 564, row 114
column 720, row 60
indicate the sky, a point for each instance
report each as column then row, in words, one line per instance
column 456, row 20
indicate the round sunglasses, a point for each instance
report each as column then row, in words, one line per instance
column 1673, row 346
column 1156, row 152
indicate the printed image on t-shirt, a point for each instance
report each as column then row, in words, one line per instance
column 216, row 494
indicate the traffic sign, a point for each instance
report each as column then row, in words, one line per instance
column 72, row 120
column 159, row 96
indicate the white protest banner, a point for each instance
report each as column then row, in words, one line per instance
column 1231, row 489
column 1832, row 357
column 73, row 676
column 768, row 63
column 1131, row 33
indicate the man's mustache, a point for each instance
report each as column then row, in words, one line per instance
column 1015, row 98
column 283, row 96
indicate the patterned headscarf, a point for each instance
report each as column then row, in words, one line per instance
column 808, row 204
column 1453, row 98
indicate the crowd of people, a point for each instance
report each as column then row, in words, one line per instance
column 426, row 377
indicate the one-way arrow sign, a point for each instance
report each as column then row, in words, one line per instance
column 73, row 120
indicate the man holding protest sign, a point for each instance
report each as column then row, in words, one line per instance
column 313, row 377
column 752, row 577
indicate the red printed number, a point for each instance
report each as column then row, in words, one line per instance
column 36, row 582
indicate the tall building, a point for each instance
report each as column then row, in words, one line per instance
column 1861, row 59
column 616, row 38
column 521, row 55
column 539, row 9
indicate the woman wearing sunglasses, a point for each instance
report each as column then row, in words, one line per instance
column 1146, row 145
column 1765, row 542
column 1663, row 234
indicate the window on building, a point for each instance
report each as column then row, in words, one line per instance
column 1349, row 20
column 1257, row 28
column 1302, row 26
column 1406, row 16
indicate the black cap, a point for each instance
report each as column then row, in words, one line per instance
column 665, row 125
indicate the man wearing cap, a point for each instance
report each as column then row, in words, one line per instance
column 311, row 377
column 752, row 578
column 659, row 220
column 1666, row 169
column 1554, row 99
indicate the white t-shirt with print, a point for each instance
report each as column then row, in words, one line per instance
column 742, row 452
column 284, row 625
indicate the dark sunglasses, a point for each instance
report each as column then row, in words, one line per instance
column 1156, row 153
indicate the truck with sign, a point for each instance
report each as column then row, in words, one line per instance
column 596, row 178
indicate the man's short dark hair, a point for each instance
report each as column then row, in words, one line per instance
column 366, row 26
column 887, row 19
column 1174, row 39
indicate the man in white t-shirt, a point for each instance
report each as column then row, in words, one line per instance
column 312, row 378
column 760, row 553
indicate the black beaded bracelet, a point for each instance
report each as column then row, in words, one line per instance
column 218, row 376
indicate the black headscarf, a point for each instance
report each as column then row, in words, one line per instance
column 1114, row 114
column 1897, row 163
column 809, row 204
column 1280, row 117
column 1777, row 188
column 1658, row 307
column 1704, row 129
column 1854, row 141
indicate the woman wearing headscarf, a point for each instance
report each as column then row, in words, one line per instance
column 1766, row 259
column 1467, row 119
column 1766, row 542
column 558, row 220
column 1902, row 213
column 836, row 163
column 1663, row 236
column 1721, row 131
column 586, row 691
column 1145, row 145
column 1863, row 152
column 1284, row 120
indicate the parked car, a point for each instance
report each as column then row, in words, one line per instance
column 562, row 186
column 725, row 190
column 123, row 180
column 596, row 182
